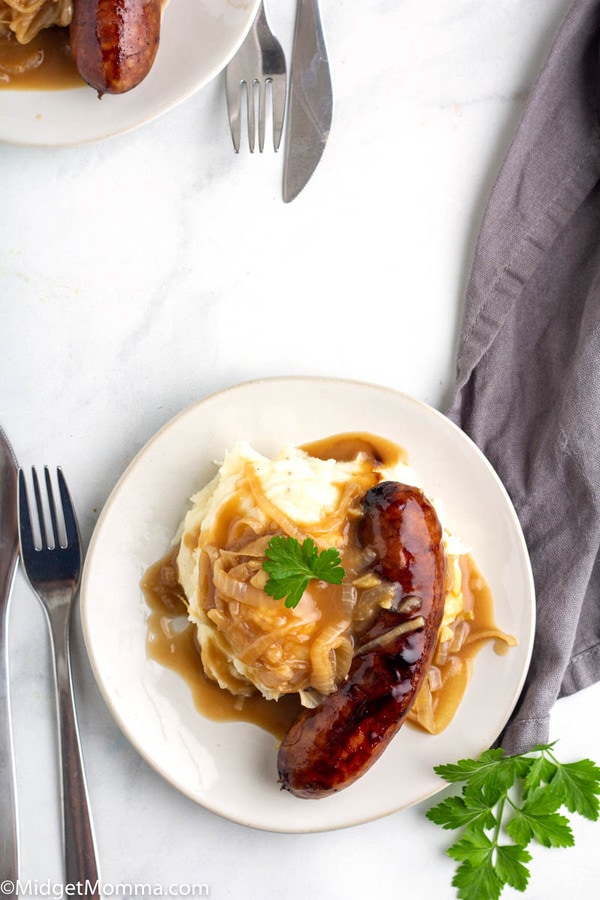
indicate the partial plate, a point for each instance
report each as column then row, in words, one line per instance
column 198, row 39
column 230, row 768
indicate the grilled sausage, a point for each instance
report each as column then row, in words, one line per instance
column 329, row 747
column 114, row 42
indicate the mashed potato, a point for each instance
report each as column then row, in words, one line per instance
column 249, row 641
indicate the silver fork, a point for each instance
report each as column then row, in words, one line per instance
column 53, row 568
column 259, row 62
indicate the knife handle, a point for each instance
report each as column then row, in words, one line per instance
column 9, row 841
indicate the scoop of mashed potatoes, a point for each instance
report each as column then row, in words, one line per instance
column 248, row 640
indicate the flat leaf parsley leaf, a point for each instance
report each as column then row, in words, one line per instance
column 516, row 798
column 291, row 567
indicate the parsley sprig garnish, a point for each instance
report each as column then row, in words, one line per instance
column 507, row 802
column 291, row 567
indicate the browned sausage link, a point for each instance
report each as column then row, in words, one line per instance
column 114, row 42
column 328, row 748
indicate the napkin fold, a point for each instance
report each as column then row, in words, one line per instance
column 528, row 364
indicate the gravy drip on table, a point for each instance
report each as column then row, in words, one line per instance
column 171, row 637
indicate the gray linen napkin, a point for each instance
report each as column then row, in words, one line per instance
column 528, row 368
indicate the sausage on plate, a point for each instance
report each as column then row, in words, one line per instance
column 114, row 42
column 329, row 747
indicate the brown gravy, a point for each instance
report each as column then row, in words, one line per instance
column 45, row 64
column 345, row 447
column 456, row 671
column 171, row 641
column 171, row 638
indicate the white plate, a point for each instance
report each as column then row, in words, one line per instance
column 198, row 38
column 230, row 768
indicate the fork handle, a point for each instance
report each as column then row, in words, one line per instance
column 79, row 846
column 9, row 844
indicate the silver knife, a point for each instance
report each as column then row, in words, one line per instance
column 9, row 550
column 310, row 104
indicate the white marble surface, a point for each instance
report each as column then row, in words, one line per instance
column 143, row 273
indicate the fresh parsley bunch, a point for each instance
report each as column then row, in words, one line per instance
column 291, row 567
column 507, row 802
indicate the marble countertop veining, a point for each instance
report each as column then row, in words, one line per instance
column 143, row 273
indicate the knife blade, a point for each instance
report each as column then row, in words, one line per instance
column 9, row 550
column 310, row 104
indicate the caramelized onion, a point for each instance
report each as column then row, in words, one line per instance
column 270, row 509
column 336, row 520
column 256, row 546
column 234, row 589
column 493, row 634
column 349, row 595
column 322, row 530
column 435, row 678
column 325, row 648
column 387, row 637
column 410, row 603
column 371, row 601
column 366, row 558
column 264, row 642
column 422, row 710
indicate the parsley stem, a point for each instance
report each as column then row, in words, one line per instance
column 514, row 805
column 499, row 815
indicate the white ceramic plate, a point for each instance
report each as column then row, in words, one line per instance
column 230, row 768
column 198, row 38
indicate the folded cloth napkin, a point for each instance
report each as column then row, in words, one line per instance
column 528, row 367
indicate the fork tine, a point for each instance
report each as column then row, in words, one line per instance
column 278, row 94
column 51, row 507
column 26, row 529
column 70, row 519
column 39, row 508
column 251, row 119
column 262, row 111
column 232, row 91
